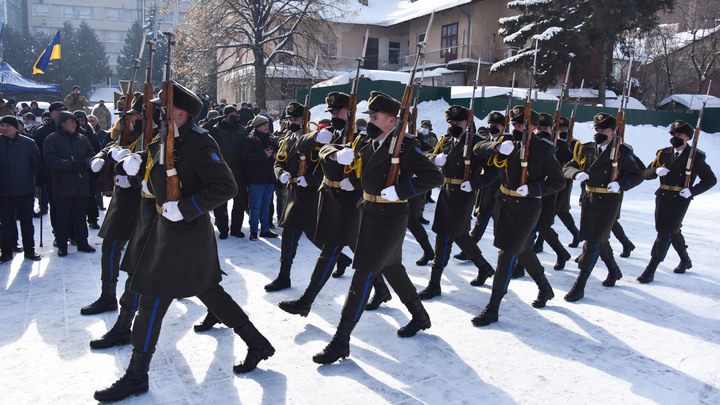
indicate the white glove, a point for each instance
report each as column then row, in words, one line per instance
column 685, row 193
column 440, row 160
column 323, row 136
column 613, row 187
column 145, row 188
column 582, row 176
column 131, row 165
column 523, row 190
column 172, row 212
column 284, row 177
column 346, row 185
column 119, row 153
column 345, row 156
column 660, row 171
column 96, row 164
column 506, row 148
column 302, row 182
column 389, row 194
column 122, row 181
column 466, row 187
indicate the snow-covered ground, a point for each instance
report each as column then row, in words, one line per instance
column 654, row 343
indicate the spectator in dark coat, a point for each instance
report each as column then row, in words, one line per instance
column 19, row 162
column 35, row 109
column 43, row 180
column 258, row 155
column 67, row 153
column 246, row 114
column 93, row 214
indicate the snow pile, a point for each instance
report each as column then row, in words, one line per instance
column 692, row 101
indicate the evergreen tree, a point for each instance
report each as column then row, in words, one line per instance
column 131, row 50
column 89, row 62
column 21, row 52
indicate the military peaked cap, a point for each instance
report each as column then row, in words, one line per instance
column 337, row 100
column 517, row 115
column 137, row 104
column 604, row 120
column 457, row 113
column 381, row 102
column 295, row 109
column 184, row 99
column 682, row 127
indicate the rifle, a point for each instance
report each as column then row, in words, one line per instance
column 556, row 120
column 525, row 145
column 349, row 131
column 167, row 154
column 619, row 131
column 125, row 138
column 148, row 88
column 469, row 130
column 412, row 124
column 398, row 133
column 572, row 115
column 302, row 169
column 696, row 136
column 509, row 106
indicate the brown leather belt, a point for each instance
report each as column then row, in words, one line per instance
column 449, row 180
column 514, row 193
column 670, row 188
column 378, row 199
column 335, row 184
column 599, row 190
column 293, row 180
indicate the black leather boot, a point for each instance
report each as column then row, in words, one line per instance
column 628, row 247
column 461, row 256
column 538, row 246
column 649, row 274
column 562, row 255
column 282, row 281
column 428, row 253
column 259, row 348
column 577, row 291
column 490, row 313
column 134, row 382
column 433, row 288
column 420, row 319
column 339, row 346
column 381, row 294
column 119, row 334
column 302, row 305
column 106, row 302
column 342, row 263
column 569, row 223
column 207, row 323
column 485, row 271
column 614, row 273
column 545, row 293
column 685, row 262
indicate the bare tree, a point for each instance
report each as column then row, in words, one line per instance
column 243, row 36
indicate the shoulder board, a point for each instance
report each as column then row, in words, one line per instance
column 699, row 152
column 547, row 141
column 200, row 130
column 410, row 136
column 628, row 146
column 589, row 144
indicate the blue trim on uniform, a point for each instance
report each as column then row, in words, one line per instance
column 482, row 184
column 698, row 186
column 512, row 262
column 135, row 302
column 540, row 188
column 413, row 188
column 316, row 178
column 445, row 251
column 292, row 240
column 150, row 326
column 329, row 266
column 364, row 296
column 629, row 185
column 112, row 255
column 595, row 257
column 487, row 146
column 196, row 206
column 667, row 247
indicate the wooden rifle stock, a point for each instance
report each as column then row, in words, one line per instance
column 469, row 133
column 696, row 138
column 399, row 134
column 526, row 144
column 616, row 142
column 149, row 108
column 173, row 192
column 570, row 130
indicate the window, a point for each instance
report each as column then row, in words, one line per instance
column 421, row 37
column 120, row 14
column 115, row 36
column 44, row 30
column 67, row 11
column 449, row 41
column 85, row 12
column 394, row 53
column 40, row 10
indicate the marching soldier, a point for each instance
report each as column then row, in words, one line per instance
column 518, row 207
column 338, row 200
column 300, row 213
column 180, row 259
column 562, row 204
column 455, row 201
column 672, row 198
column 547, row 215
column 602, row 198
column 383, row 220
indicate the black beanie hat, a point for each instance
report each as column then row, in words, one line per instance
column 10, row 120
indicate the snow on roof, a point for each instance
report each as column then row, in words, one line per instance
column 390, row 12
column 497, row 91
column 647, row 48
column 633, row 103
column 691, row 101
column 586, row 93
column 345, row 78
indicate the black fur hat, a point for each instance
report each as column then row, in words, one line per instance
column 337, row 101
column 546, row 120
column 496, row 118
column 295, row 109
column 517, row 115
column 604, row 120
column 682, row 127
column 382, row 102
column 457, row 113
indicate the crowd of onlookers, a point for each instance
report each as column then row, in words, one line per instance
column 44, row 169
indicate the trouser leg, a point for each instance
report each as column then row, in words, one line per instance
column 221, row 218
column 224, row 307
column 110, row 259
column 358, row 294
column 506, row 261
column 146, row 328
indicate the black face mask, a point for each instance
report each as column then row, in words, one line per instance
column 676, row 142
column 137, row 124
column 455, row 131
column 494, row 130
column 233, row 118
column 263, row 136
column 600, row 138
column 517, row 135
column 543, row 135
column 563, row 136
column 373, row 130
column 294, row 127
column 338, row 123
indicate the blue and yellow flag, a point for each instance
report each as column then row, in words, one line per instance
column 51, row 52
